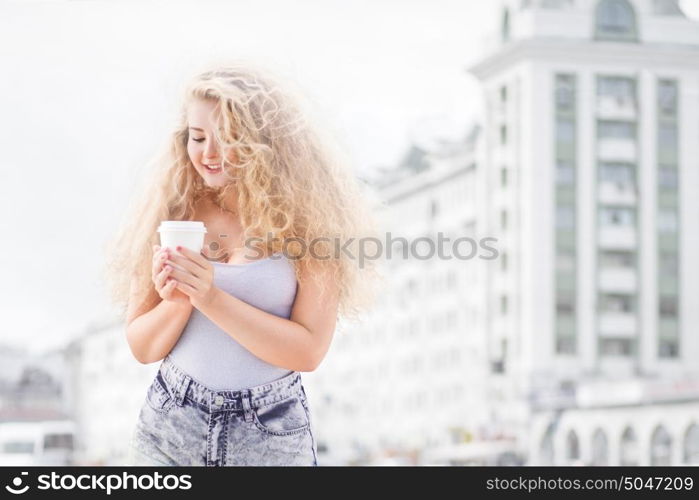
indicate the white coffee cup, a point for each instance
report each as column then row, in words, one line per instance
column 185, row 233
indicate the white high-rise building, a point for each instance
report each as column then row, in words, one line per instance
column 592, row 182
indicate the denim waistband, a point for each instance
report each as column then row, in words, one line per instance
column 182, row 386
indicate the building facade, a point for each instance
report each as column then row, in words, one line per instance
column 577, row 344
column 593, row 112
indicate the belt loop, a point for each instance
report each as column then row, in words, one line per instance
column 181, row 391
column 247, row 405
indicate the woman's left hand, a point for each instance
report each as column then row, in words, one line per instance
column 193, row 275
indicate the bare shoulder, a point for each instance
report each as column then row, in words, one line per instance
column 316, row 310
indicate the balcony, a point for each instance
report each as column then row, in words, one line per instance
column 609, row 392
column 617, row 279
column 618, row 324
column 616, row 193
column 617, row 237
column 616, row 108
column 621, row 150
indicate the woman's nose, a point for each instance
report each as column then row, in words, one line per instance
column 211, row 151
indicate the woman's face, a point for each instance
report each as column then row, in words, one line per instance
column 201, row 146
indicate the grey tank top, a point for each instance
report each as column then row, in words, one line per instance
column 211, row 356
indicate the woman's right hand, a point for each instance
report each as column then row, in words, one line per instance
column 164, row 285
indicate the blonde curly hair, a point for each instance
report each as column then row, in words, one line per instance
column 292, row 181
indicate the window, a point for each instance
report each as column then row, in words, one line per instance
column 622, row 89
column 565, row 173
column 565, row 262
column 615, row 20
column 503, row 134
column 667, row 306
column 623, row 175
column 503, row 94
column 24, row 447
column 616, row 259
column 668, row 348
column 565, row 131
column 503, row 261
column 690, row 454
column 667, row 264
column 565, row 216
column 572, row 448
column 661, row 447
column 505, row 29
column 617, row 216
column 667, row 177
column 667, row 221
column 616, row 130
column 503, row 304
column 565, row 92
column 565, row 345
column 667, row 136
column 628, row 449
column 503, row 176
column 600, row 449
column 613, row 302
column 58, row 441
column 667, row 97
column 503, row 219
column 616, row 347
column 503, row 348
column 565, row 303
column 546, row 447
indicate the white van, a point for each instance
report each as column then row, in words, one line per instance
column 37, row 443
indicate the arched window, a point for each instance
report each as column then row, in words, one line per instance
column 546, row 452
column 691, row 445
column 628, row 449
column 600, row 449
column 572, row 447
column 615, row 20
column 660, row 447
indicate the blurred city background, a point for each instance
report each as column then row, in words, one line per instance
column 566, row 130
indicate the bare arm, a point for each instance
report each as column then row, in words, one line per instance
column 152, row 334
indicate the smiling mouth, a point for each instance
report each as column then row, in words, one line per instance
column 215, row 170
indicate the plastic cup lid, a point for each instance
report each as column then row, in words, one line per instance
column 182, row 225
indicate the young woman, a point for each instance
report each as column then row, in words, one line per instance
column 235, row 324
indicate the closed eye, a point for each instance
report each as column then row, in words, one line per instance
column 197, row 140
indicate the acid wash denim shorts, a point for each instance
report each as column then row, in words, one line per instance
column 184, row 423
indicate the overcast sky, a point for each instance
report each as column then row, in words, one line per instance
column 89, row 89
